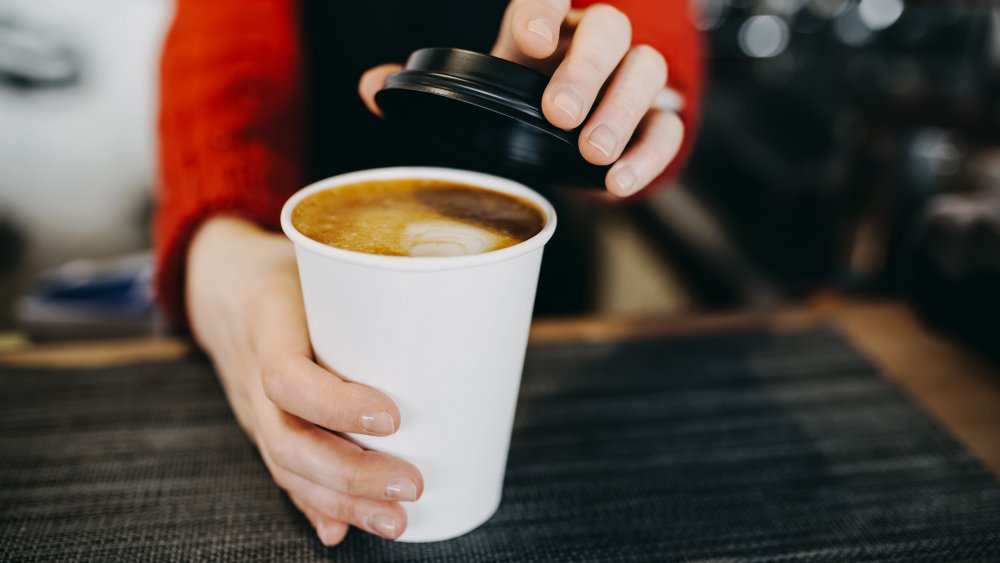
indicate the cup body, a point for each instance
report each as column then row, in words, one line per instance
column 444, row 337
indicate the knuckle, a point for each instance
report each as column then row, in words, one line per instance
column 341, row 507
column 590, row 67
column 282, row 453
column 556, row 9
column 516, row 9
column 652, row 60
column 662, row 153
column 355, row 475
column 614, row 18
column 274, row 379
column 525, row 9
column 654, row 155
column 353, row 510
column 672, row 122
column 279, row 478
column 630, row 108
column 554, row 5
column 669, row 123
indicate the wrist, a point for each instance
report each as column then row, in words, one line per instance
column 220, row 230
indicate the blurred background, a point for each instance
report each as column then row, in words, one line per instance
column 77, row 162
column 848, row 147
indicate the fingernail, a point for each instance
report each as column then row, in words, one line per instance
column 401, row 488
column 625, row 179
column 378, row 422
column 569, row 101
column 542, row 28
column 604, row 139
column 384, row 524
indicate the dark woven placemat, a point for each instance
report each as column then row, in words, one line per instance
column 748, row 445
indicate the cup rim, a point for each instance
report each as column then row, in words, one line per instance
column 420, row 263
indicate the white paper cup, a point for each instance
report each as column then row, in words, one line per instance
column 444, row 337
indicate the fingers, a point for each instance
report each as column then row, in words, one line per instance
column 659, row 139
column 293, row 382
column 333, row 510
column 601, row 40
column 330, row 532
column 636, row 83
column 294, row 396
column 330, row 461
column 534, row 25
column 330, row 511
column 300, row 387
column 372, row 81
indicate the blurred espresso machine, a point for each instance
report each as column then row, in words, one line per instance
column 854, row 145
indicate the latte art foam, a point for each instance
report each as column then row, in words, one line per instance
column 446, row 238
column 416, row 218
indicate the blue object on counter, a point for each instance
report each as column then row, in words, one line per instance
column 92, row 299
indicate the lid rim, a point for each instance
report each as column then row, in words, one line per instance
column 516, row 100
column 475, row 97
column 437, row 59
column 451, row 93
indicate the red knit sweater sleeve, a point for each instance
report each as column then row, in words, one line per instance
column 230, row 124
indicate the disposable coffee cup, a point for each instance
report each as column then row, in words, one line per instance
column 444, row 337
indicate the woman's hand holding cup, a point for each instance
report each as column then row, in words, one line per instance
column 247, row 313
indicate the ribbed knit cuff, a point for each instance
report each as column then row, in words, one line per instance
column 237, row 186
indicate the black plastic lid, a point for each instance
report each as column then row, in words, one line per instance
column 489, row 110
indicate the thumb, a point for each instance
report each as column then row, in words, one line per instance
column 372, row 81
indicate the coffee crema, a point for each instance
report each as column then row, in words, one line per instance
column 416, row 217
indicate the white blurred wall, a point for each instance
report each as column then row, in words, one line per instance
column 77, row 163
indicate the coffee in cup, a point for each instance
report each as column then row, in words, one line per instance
column 417, row 217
